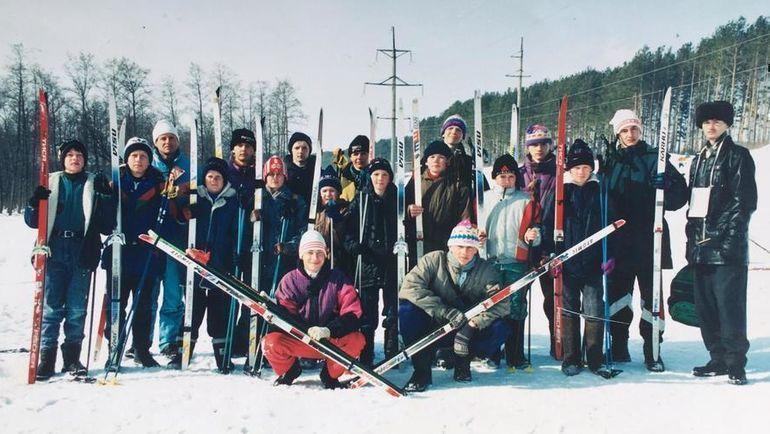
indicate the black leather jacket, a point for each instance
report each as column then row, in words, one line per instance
column 723, row 236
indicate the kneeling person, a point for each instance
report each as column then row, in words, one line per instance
column 325, row 300
column 438, row 290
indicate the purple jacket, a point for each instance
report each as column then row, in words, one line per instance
column 546, row 173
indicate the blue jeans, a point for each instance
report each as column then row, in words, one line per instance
column 172, row 309
column 415, row 323
column 66, row 293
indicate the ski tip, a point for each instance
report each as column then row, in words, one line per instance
column 618, row 223
column 147, row 238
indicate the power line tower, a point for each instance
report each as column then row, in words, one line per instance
column 520, row 75
column 393, row 81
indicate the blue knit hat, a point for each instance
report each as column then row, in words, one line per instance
column 329, row 179
column 455, row 121
column 436, row 147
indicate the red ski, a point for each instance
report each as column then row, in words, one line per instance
column 558, row 233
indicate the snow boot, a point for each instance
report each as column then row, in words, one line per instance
column 594, row 340
column 391, row 342
column 572, row 364
column 422, row 376
column 47, row 366
column 514, row 346
column 462, row 369
column 131, row 352
column 711, row 369
column 145, row 359
column 287, row 378
column 651, row 364
column 445, row 358
column 737, row 376
column 329, row 382
column 223, row 366
column 619, row 350
column 71, row 355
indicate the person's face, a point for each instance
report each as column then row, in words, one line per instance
column 167, row 144
column 299, row 153
column 713, row 128
column 327, row 194
column 629, row 135
column 242, row 154
column 74, row 161
column 214, row 181
column 463, row 254
column 313, row 260
column 274, row 180
column 359, row 159
column 452, row 135
column 436, row 164
column 138, row 162
column 539, row 151
column 506, row 180
column 380, row 180
column 581, row 173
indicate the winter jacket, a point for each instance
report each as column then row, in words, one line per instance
column 504, row 224
column 328, row 300
column 216, row 226
column 629, row 172
column 545, row 172
column 277, row 206
column 300, row 179
column 732, row 200
column 140, row 203
column 582, row 218
column 445, row 202
column 431, row 287
column 96, row 214
column 242, row 180
column 175, row 230
column 379, row 236
column 323, row 224
column 350, row 179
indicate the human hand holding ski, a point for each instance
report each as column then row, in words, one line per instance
column 40, row 193
column 415, row 210
column 455, row 317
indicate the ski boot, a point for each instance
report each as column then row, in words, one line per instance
column 737, row 377
column 711, row 369
column 47, row 366
column 445, row 358
column 422, row 376
column 329, row 382
column 71, row 355
column 462, row 369
column 289, row 376
column 145, row 359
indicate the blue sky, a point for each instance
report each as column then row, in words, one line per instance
column 327, row 48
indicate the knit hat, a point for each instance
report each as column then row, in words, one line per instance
column 311, row 240
column 380, row 164
column 300, row 137
column 72, row 144
column 163, row 127
column 359, row 144
column 624, row 118
column 218, row 165
column 242, row 135
column 464, row 234
column 436, row 147
column 579, row 153
column 329, row 179
column 537, row 134
column 137, row 144
column 505, row 164
column 454, row 121
column 720, row 110
column 274, row 164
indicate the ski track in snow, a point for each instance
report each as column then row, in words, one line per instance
column 200, row 400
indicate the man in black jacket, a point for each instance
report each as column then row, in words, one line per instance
column 723, row 195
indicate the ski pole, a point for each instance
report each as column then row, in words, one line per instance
column 233, row 304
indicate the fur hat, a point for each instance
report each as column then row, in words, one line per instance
column 163, row 127
column 300, row 137
column 720, row 110
column 217, row 165
column 242, row 135
column 624, row 118
column 359, row 144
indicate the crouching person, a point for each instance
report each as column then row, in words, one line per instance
column 326, row 301
column 438, row 290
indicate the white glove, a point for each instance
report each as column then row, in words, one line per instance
column 318, row 333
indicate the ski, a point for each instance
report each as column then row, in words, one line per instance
column 657, row 232
column 372, row 133
column 400, row 248
column 513, row 146
column 116, row 239
column 191, row 235
column 558, row 232
column 41, row 251
column 493, row 299
column 417, row 176
column 217, row 123
column 481, row 217
column 256, row 243
column 317, row 157
column 607, row 370
column 270, row 311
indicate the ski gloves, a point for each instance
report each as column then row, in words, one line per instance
column 455, row 317
column 102, row 185
column 463, row 340
column 318, row 333
column 40, row 193
column 660, row 181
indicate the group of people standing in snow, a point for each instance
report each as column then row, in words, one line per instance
column 331, row 278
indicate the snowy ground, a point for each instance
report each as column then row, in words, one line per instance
column 544, row 401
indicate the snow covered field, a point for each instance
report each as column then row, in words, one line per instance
column 200, row 400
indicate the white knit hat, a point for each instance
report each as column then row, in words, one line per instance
column 164, row 127
column 624, row 118
column 464, row 234
column 311, row 240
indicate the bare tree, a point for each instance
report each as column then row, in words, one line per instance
column 169, row 98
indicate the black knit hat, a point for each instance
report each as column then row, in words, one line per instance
column 359, row 144
column 242, row 135
column 216, row 164
column 380, row 164
column 436, row 147
column 300, row 137
column 720, row 110
column 505, row 164
column 72, row 144
column 137, row 144
column 329, row 179
column 579, row 153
